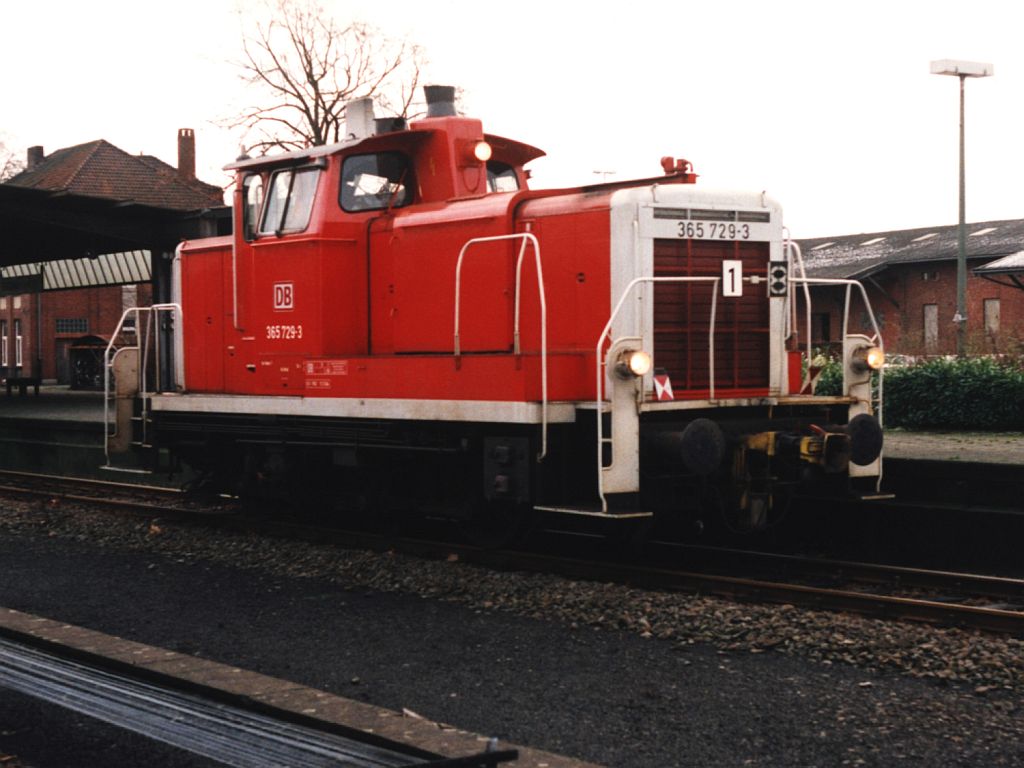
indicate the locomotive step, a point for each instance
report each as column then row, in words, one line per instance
column 625, row 514
column 876, row 496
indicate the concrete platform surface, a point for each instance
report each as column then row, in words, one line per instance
column 981, row 447
column 399, row 727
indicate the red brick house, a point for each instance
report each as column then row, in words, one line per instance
column 910, row 279
column 51, row 306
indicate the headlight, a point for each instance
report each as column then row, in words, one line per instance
column 633, row 363
column 866, row 359
column 482, row 151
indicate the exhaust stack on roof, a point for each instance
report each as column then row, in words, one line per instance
column 440, row 100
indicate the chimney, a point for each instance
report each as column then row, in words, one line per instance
column 34, row 158
column 186, row 153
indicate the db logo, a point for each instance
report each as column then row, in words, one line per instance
column 284, row 296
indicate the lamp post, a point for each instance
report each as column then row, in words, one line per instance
column 962, row 70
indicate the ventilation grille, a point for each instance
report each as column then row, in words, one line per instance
column 682, row 316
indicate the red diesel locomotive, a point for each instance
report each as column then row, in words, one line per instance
column 400, row 322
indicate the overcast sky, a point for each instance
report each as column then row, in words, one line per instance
column 827, row 106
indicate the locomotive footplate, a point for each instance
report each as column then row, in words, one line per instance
column 596, row 512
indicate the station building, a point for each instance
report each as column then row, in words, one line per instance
column 86, row 229
column 910, row 278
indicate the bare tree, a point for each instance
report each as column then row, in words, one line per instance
column 10, row 164
column 306, row 66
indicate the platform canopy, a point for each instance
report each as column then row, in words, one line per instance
column 1008, row 270
column 124, row 268
column 94, row 199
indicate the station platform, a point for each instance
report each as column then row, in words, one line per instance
column 54, row 402
column 59, row 431
column 972, row 447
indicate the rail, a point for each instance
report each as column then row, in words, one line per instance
column 145, row 339
column 602, row 360
column 527, row 238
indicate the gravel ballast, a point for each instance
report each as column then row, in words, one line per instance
column 607, row 673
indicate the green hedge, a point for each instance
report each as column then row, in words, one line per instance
column 962, row 393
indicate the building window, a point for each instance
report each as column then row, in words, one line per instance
column 931, row 327
column 77, row 325
column 821, row 328
column 3, row 302
column 129, row 300
column 865, row 320
column 3, row 343
column 17, row 302
column 17, row 344
column 992, row 317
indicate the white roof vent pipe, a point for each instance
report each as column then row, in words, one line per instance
column 359, row 118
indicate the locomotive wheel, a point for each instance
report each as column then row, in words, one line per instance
column 496, row 524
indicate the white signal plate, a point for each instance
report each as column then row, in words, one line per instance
column 732, row 277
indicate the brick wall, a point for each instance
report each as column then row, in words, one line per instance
column 915, row 305
column 60, row 318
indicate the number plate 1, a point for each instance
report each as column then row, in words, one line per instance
column 732, row 277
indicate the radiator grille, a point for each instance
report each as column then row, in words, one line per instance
column 682, row 315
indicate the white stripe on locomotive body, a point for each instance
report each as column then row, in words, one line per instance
column 424, row 410
column 482, row 411
column 634, row 227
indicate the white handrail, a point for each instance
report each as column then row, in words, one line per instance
column 142, row 340
column 795, row 247
column 526, row 237
column 809, row 281
column 875, row 339
column 602, row 360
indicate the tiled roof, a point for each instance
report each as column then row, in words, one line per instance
column 859, row 256
column 99, row 169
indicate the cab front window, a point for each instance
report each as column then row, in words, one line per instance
column 289, row 200
column 377, row 181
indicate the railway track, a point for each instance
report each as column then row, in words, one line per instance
column 943, row 598
column 131, row 497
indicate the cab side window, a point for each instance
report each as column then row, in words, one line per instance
column 377, row 181
column 252, row 201
column 501, row 177
column 289, row 200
